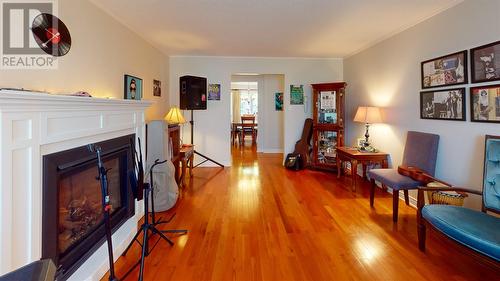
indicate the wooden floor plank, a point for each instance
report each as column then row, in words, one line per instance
column 258, row 221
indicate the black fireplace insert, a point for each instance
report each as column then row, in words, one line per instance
column 72, row 218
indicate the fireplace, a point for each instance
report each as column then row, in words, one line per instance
column 72, row 216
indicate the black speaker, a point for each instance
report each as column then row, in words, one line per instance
column 193, row 93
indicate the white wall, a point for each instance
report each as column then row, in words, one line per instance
column 102, row 51
column 388, row 75
column 212, row 127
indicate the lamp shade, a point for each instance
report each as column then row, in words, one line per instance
column 368, row 114
column 174, row 116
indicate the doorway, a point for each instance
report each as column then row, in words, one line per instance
column 257, row 123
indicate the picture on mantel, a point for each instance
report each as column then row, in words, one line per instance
column 296, row 94
column 132, row 88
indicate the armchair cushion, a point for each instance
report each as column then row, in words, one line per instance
column 392, row 179
column 474, row 229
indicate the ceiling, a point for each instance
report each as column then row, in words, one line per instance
column 269, row 28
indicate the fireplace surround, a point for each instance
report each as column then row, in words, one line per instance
column 72, row 217
column 33, row 125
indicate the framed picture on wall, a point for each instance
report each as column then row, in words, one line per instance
column 485, row 63
column 132, row 87
column 213, row 91
column 485, row 103
column 278, row 101
column 445, row 71
column 296, row 94
column 157, row 88
column 443, row 104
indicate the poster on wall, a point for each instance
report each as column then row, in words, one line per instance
column 213, row 91
column 443, row 104
column 445, row 71
column 157, row 88
column 485, row 63
column 132, row 87
column 485, row 104
column 278, row 101
column 296, row 94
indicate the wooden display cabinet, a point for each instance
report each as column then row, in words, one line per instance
column 328, row 125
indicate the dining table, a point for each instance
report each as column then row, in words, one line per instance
column 238, row 129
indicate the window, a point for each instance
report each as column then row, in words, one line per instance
column 248, row 102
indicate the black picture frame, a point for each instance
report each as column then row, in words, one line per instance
column 156, row 88
column 443, row 72
column 127, row 93
column 483, row 58
column 482, row 112
column 439, row 105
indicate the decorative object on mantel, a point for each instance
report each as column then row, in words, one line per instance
column 132, row 87
column 485, row 104
column 367, row 115
column 446, row 104
column 156, row 88
column 51, row 35
column 445, row 71
column 296, row 94
column 213, row 91
column 485, row 63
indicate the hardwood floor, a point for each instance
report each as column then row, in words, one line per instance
column 258, row 221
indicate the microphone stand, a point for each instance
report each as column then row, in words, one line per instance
column 106, row 206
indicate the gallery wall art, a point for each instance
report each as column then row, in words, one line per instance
column 485, row 63
column 485, row 103
column 445, row 71
column 443, row 104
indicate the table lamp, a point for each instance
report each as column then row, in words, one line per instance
column 174, row 116
column 368, row 115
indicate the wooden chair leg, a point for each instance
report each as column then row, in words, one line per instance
column 372, row 192
column 407, row 197
column 421, row 236
column 395, row 205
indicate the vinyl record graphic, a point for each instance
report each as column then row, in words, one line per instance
column 51, row 34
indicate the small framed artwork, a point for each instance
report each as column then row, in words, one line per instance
column 278, row 101
column 296, row 94
column 445, row 71
column 443, row 104
column 360, row 142
column 485, row 63
column 485, row 104
column 157, row 88
column 213, row 91
column 132, row 87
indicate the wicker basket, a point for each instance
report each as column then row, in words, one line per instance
column 444, row 197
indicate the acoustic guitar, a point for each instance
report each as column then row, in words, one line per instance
column 418, row 174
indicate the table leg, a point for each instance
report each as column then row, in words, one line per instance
column 354, row 167
column 191, row 160
column 385, row 164
column 339, row 166
column 364, row 170
column 183, row 173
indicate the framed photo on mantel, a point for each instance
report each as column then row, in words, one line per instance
column 445, row 71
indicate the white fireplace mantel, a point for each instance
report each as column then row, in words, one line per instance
column 33, row 125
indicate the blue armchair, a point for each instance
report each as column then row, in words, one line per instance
column 421, row 152
column 476, row 231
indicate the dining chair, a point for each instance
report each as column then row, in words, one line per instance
column 421, row 152
column 248, row 129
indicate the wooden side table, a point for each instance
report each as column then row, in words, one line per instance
column 356, row 157
column 186, row 157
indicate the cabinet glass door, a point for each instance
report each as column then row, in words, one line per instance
column 327, row 109
column 327, row 146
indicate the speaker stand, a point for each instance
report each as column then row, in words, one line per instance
column 196, row 152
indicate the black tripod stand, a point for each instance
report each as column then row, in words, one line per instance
column 148, row 227
column 196, row 152
column 106, row 206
